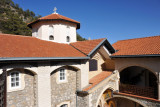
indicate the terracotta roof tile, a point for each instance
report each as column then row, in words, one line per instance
column 97, row 79
column 138, row 46
column 58, row 16
column 87, row 46
column 55, row 17
column 25, row 46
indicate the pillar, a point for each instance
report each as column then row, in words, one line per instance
column 44, row 86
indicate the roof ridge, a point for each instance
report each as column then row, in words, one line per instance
column 88, row 40
column 59, row 16
column 139, row 38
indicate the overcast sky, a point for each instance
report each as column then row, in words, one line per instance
column 112, row 19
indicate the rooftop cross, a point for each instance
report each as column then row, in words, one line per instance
column 55, row 9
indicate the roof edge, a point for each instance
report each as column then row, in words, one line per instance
column 40, row 58
column 135, row 56
column 99, row 45
column 38, row 20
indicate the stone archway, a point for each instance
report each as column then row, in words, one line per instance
column 124, row 101
column 106, row 99
column 136, row 78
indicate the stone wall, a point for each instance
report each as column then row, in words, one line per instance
column 96, row 95
column 83, row 101
column 61, row 92
column 25, row 97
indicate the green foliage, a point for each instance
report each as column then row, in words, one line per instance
column 13, row 19
column 79, row 38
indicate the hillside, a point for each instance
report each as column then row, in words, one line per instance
column 13, row 19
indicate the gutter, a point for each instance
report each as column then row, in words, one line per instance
column 135, row 56
column 40, row 58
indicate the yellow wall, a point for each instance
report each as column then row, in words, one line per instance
column 103, row 64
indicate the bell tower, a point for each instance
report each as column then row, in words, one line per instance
column 55, row 28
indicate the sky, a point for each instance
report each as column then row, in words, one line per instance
column 111, row 19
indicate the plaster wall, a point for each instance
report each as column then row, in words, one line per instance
column 61, row 30
column 100, row 61
column 151, row 64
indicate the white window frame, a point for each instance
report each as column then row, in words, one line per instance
column 10, row 81
column 65, row 75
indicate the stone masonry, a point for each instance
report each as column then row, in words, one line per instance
column 25, row 97
column 61, row 92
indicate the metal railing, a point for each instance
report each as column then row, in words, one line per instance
column 137, row 90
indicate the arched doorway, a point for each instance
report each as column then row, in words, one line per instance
column 138, row 81
column 106, row 99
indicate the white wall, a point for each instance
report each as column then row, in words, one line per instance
column 60, row 31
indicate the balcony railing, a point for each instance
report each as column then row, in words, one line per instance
column 137, row 90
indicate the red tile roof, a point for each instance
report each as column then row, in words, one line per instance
column 138, row 46
column 25, row 46
column 58, row 16
column 97, row 79
column 87, row 46
column 55, row 17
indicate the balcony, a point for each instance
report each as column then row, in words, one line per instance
column 137, row 90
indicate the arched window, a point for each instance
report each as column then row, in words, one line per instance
column 15, row 79
column 51, row 30
column 64, row 105
column 68, row 39
column 51, row 37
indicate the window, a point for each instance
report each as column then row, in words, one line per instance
column 14, row 80
column 51, row 37
column 68, row 30
column 68, row 39
column 62, row 75
column 64, row 105
column 92, row 65
column 51, row 30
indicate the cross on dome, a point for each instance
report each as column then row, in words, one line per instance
column 55, row 9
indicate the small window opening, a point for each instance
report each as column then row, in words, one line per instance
column 93, row 65
column 15, row 80
column 51, row 37
column 64, row 105
column 62, row 75
column 68, row 39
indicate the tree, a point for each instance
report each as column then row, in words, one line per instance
column 79, row 38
